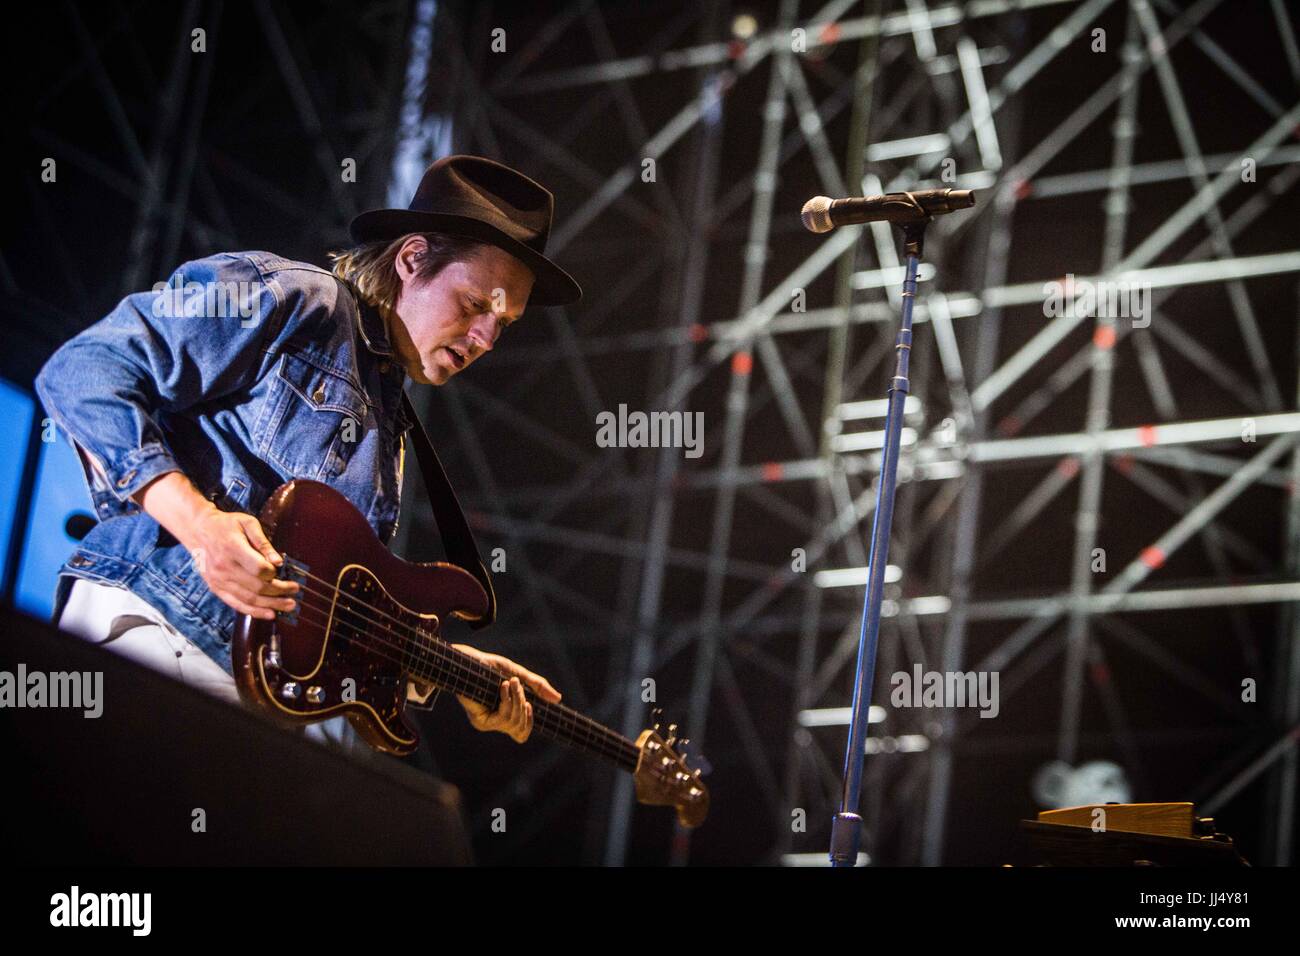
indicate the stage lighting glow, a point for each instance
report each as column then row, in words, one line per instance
column 875, row 408
column 837, row 716
column 743, row 26
column 1058, row 785
column 867, row 441
column 902, row 744
column 817, row 859
column 853, row 577
column 16, row 409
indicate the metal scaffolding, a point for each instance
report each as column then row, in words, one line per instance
column 758, row 365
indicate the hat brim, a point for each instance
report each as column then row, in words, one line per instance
column 551, row 284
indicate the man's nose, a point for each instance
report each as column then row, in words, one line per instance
column 483, row 331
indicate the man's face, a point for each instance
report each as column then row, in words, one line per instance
column 446, row 323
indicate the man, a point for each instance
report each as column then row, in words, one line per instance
column 189, row 405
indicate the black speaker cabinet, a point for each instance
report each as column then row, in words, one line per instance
column 132, row 785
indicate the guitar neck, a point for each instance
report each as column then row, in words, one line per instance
column 434, row 661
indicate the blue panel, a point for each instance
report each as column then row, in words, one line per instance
column 60, row 493
column 16, row 408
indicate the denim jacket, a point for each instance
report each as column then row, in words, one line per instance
column 245, row 370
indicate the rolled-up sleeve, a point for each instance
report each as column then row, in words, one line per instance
column 201, row 335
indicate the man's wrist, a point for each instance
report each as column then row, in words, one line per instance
column 172, row 500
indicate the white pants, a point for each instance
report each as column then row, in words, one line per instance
column 123, row 622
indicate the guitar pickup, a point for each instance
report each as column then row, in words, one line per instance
column 293, row 570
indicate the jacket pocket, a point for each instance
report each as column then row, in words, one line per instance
column 317, row 418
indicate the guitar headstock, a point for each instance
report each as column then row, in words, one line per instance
column 663, row 779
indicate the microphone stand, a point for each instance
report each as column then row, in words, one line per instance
column 847, row 824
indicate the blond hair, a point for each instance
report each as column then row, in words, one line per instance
column 369, row 267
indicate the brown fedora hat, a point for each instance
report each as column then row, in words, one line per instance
column 480, row 199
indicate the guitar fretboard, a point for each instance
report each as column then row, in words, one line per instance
column 434, row 661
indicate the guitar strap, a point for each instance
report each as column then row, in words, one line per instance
column 457, row 539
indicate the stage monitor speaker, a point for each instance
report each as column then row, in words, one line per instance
column 170, row 775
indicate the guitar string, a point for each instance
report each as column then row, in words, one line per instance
column 477, row 675
column 606, row 741
column 467, row 682
column 485, row 681
column 461, row 677
column 617, row 750
column 441, row 649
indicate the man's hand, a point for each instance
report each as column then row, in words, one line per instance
column 514, row 715
column 229, row 548
column 238, row 563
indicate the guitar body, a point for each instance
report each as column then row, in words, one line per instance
column 345, row 649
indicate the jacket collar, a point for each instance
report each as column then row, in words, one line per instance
column 375, row 334
column 373, row 330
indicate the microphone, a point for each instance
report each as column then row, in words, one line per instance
column 822, row 214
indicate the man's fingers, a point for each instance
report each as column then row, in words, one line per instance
column 513, row 715
column 473, row 709
column 508, row 710
column 243, row 607
column 260, row 560
column 257, row 538
column 252, row 562
column 248, row 595
column 252, row 591
column 536, row 682
column 277, row 588
column 508, row 668
column 543, row 687
column 516, row 711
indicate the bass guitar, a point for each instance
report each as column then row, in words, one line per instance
column 366, row 621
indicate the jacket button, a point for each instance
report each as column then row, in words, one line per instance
column 318, row 396
column 79, row 561
column 126, row 479
column 383, row 367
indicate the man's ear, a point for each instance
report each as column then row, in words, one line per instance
column 413, row 251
